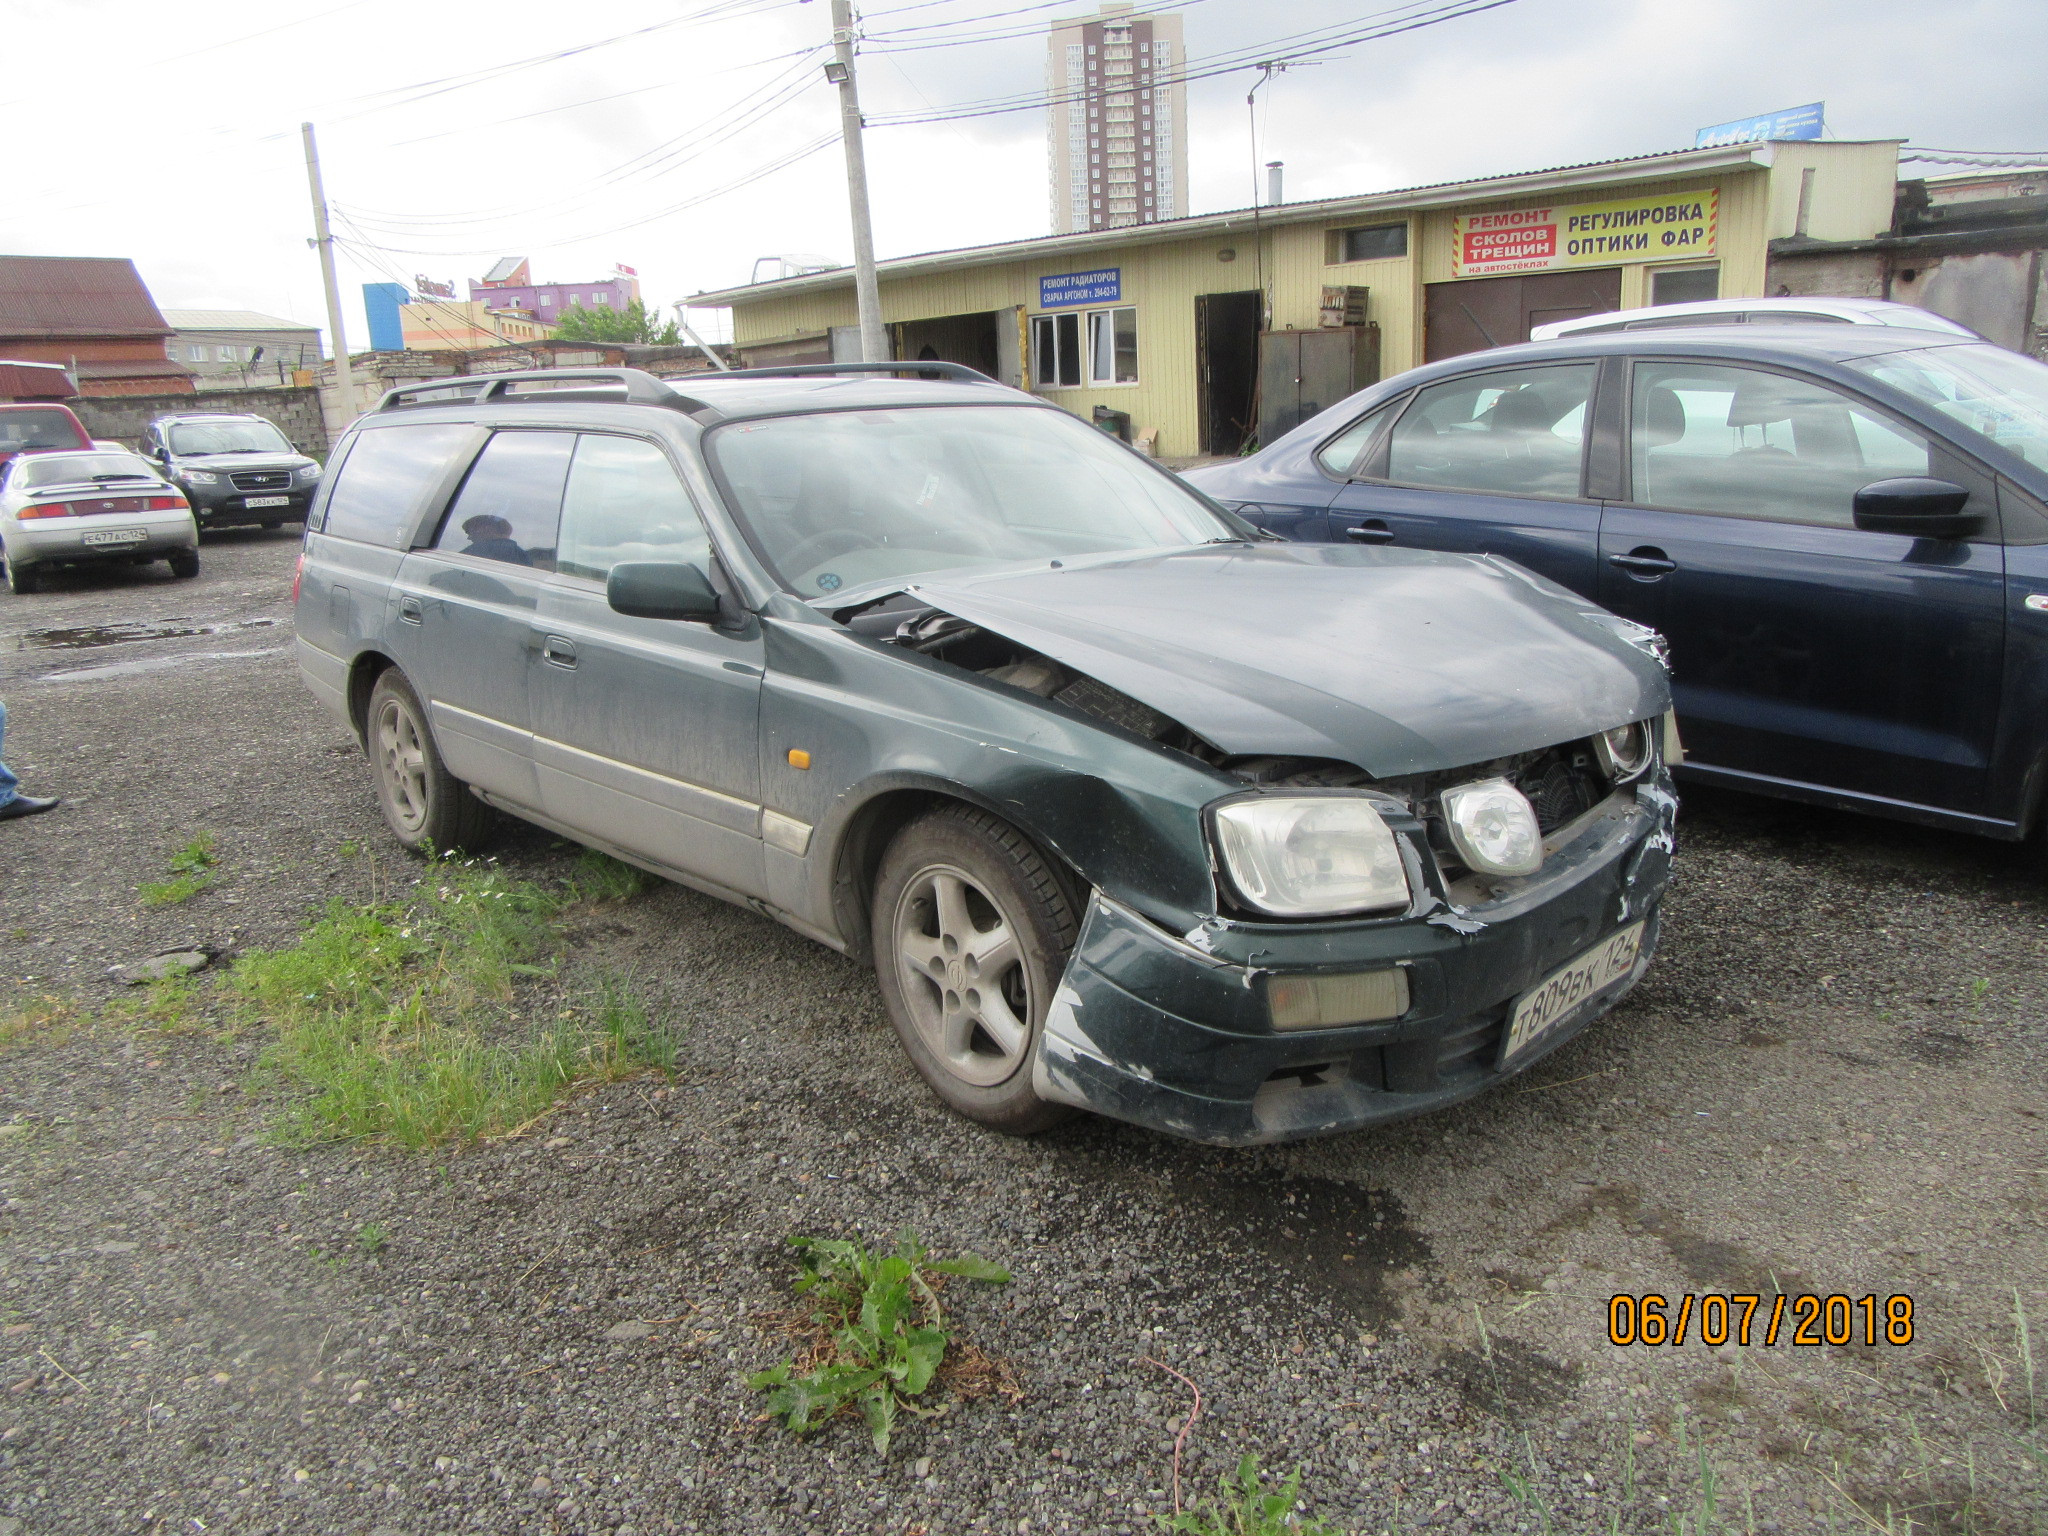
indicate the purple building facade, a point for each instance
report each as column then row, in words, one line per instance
column 510, row 285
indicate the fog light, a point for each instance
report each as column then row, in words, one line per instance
column 1324, row 1002
column 1494, row 828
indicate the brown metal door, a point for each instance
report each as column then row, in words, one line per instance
column 1478, row 313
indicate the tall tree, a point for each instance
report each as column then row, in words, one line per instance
column 632, row 325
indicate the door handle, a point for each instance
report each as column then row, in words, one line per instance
column 559, row 652
column 1371, row 531
column 1645, row 563
column 409, row 611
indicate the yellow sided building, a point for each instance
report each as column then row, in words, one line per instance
column 1216, row 332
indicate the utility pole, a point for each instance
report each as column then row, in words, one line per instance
column 867, row 289
column 344, row 376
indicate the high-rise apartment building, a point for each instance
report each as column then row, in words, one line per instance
column 1119, row 120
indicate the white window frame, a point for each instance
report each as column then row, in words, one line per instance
column 1087, row 324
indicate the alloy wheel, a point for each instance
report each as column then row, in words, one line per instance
column 963, row 975
column 402, row 759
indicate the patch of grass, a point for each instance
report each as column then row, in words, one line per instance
column 191, row 872
column 402, row 1019
column 371, row 1238
column 172, row 1006
column 876, row 1335
column 48, row 1018
column 1246, row 1506
column 600, row 877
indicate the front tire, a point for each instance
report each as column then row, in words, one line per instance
column 184, row 563
column 425, row 805
column 972, row 929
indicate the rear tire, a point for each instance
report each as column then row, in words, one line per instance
column 426, row 806
column 22, row 579
column 972, row 929
column 184, row 563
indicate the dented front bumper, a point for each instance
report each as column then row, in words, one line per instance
column 1173, row 1032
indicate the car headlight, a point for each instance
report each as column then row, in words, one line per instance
column 197, row 476
column 1310, row 855
column 1624, row 751
column 309, row 473
column 1493, row 827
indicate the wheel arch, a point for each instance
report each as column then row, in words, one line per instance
column 363, row 673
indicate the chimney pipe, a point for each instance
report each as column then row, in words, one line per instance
column 1273, row 197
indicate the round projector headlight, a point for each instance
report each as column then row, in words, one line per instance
column 1624, row 751
column 1310, row 855
column 1493, row 827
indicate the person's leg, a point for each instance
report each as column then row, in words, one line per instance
column 8, row 782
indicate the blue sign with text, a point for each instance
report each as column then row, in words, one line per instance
column 1103, row 287
column 1792, row 123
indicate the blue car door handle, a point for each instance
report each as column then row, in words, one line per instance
column 557, row 651
column 1645, row 563
column 1371, row 531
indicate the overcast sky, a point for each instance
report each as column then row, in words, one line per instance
column 170, row 133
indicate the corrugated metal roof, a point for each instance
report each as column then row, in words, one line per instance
column 230, row 320
column 504, row 269
column 62, row 296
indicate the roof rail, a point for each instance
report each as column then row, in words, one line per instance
column 634, row 385
column 957, row 371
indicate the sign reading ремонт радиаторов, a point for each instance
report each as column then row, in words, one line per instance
column 1102, row 287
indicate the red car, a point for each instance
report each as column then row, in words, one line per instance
column 42, row 425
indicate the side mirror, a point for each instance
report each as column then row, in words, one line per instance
column 1921, row 508
column 661, row 590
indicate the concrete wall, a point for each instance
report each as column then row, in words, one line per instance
column 122, row 418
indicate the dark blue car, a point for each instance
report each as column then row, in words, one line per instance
column 1843, row 534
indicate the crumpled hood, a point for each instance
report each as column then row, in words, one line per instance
column 1399, row 661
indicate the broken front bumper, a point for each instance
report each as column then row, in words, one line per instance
column 1174, row 1033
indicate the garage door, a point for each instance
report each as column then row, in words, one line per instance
column 1484, row 312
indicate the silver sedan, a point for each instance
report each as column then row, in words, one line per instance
column 74, row 508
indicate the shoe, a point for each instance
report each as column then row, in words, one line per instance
column 29, row 805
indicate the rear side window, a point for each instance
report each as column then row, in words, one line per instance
column 1340, row 455
column 1514, row 432
column 384, row 482
column 511, row 502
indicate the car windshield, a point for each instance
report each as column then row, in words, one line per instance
column 74, row 468
column 847, row 499
column 229, row 437
column 1988, row 389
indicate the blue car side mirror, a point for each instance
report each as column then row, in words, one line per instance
column 1916, row 506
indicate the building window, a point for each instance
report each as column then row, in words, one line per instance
column 602, row 298
column 225, row 354
column 1376, row 242
column 1685, row 285
column 194, row 352
column 1110, row 356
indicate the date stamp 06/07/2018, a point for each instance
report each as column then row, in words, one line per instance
column 1748, row 1320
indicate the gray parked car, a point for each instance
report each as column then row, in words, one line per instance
column 62, row 507
column 1132, row 808
column 234, row 467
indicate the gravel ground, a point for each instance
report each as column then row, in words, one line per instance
column 1829, row 1082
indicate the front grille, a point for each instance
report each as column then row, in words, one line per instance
column 263, row 480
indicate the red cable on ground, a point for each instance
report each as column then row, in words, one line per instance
column 1180, row 1439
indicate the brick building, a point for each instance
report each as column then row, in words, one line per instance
column 93, row 315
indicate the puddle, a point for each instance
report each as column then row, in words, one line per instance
column 152, row 664
column 89, row 636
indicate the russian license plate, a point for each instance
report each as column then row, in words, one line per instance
column 266, row 501
column 1563, row 990
column 115, row 536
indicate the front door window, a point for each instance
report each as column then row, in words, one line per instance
column 1513, row 432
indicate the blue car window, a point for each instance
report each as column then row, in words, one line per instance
column 624, row 503
column 1511, row 431
column 1340, row 454
column 511, row 501
column 1745, row 443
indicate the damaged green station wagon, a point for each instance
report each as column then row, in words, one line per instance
column 1133, row 809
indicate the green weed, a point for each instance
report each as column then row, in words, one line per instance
column 600, row 877
column 1244, row 1506
column 401, row 1018
column 191, row 872
column 49, row 1018
column 876, row 1333
column 372, row 1237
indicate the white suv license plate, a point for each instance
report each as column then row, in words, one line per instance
column 114, row 536
column 266, row 501
column 1563, row 990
